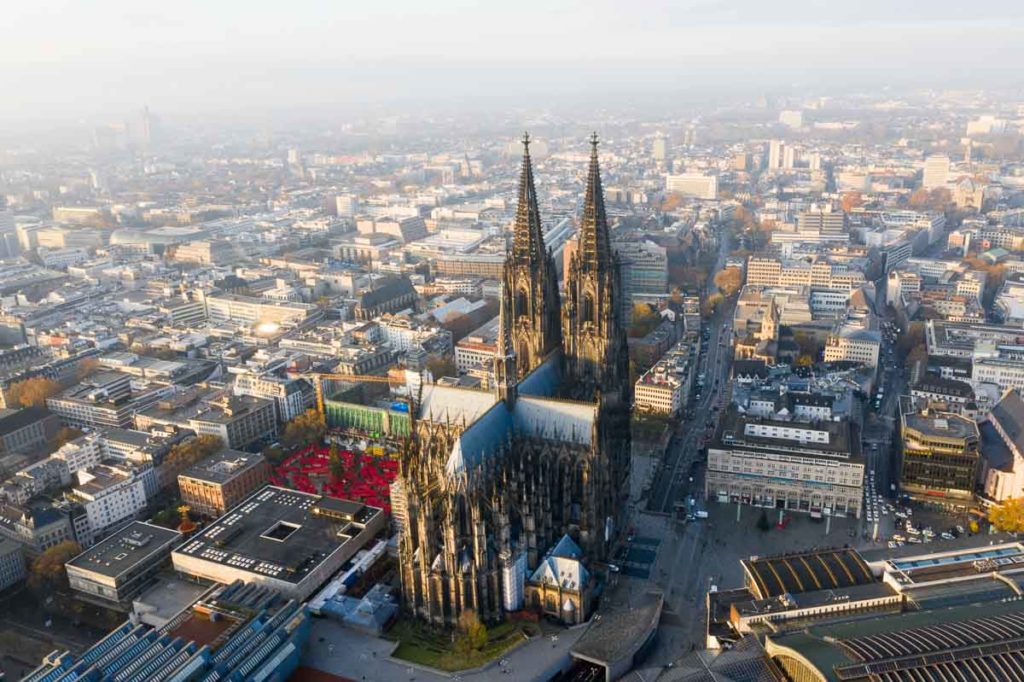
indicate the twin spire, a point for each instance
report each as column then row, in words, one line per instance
column 595, row 246
column 528, row 236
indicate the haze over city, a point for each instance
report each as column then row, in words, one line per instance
column 557, row 341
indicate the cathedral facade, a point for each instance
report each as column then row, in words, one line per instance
column 492, row 481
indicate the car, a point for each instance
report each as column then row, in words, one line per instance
column 946, row 536
column 913, row 531
column 613, row 568
column 960, row 529
column 914, row 540
column 898, row 538
column 892, row 545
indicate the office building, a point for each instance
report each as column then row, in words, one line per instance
column 238, row 420
column 940, row 455
column 936, row 172
column 106, row 399
column 291, row 396
column 121, row 566
column 813, row 467
column 643, row 269
column 221, row 481
column 26, row 429
column 12, row 563
column 286, row 540
column 694, row 185
column 852, row 341
column 476, row 349
column 250, row 310
column 774, row 154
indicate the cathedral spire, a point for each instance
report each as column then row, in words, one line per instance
column 505, row 371
column 594, row 248
column 528, row 237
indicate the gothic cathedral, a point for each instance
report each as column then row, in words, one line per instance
column 507, row 498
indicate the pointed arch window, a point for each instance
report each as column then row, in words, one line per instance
column 587, row 308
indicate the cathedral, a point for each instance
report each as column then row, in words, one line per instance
column 500, row 488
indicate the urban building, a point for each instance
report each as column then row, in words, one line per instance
column 692, row 185
column 26, row 429
column 111, row 497
column 853, row 342
column 118, row 568
column 221, row 481
column 236, row 420
column 940, row 455
column 12, row 563
column 286, row 540
column 813, row 467
column 665, row 387
column 291, row 396
column 234, row 633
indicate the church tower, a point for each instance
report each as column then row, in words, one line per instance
column 506, row 377
column 596, row 356
column 530, row 287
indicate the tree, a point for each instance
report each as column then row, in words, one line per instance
column 65, row 435
column 32, row 392
column 306, row 429
column 1009, row 516
column 708, row 305
column 442, row 366
column 763, row 524
column 472, row 633
column 912, row 336
column 851, row 200
column 729, row 280
column 86, row 368
column 645, row 320
column 183, row 455
column 47, row 571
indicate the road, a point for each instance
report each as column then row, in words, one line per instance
column 673, row 481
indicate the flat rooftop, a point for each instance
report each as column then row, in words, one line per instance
column 224, row 466
column 280, row 533
column 126, row 549
column 941, row 425
column 840, row 439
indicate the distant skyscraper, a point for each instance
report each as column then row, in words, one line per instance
column 774, row 154
column 936, row 172
column 9, row 245
column 660, row 150
column 814, row 161
column 788, row 157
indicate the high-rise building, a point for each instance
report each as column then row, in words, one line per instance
column 940, row 455
column 643, row 269
column 789, row 157
column 936, row 172
column 774, row 154
column 660, row 150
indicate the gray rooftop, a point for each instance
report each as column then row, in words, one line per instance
column 283, row 534
column 129, row 547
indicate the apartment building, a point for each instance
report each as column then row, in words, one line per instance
column 665, row 387
column 111, row 496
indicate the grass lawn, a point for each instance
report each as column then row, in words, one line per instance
column 432, row 646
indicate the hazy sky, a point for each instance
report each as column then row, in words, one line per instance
column 83, row 57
